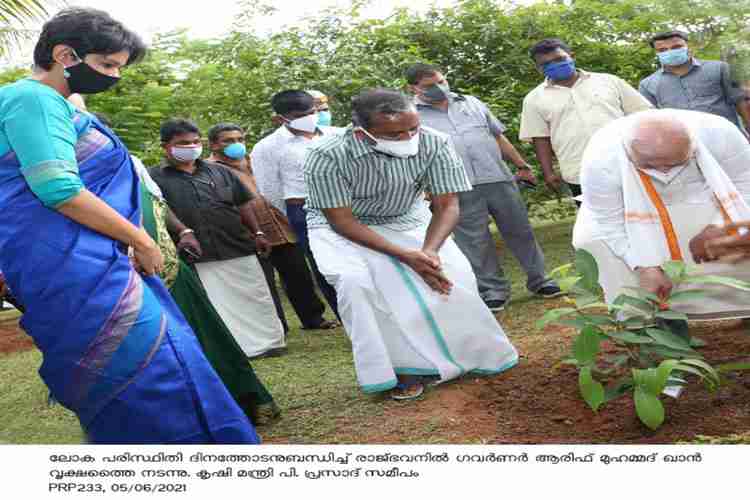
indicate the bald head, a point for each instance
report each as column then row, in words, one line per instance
column 660, row 140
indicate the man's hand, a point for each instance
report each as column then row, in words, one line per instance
column 190, row 247
column 262, row 246
column 554, row 181
column 653, row 280
column 428, row 266
column 526, row 174
column 730, row 248
column 698, row 243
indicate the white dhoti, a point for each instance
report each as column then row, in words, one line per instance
column 239, row 292
column 397, row 324
column 688, row 220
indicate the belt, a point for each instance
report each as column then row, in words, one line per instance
column 295, row 201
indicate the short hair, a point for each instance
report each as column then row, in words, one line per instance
column 287, row 101
column 218, row 129
column 666, row 36
column 379, row 101
column 87, row 31
column 416, row 72
column 103, row 118
column 177, row 126
column 548, row 45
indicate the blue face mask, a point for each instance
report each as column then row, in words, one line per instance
column 559, row 71
column 324, row 118
column 235, row 151
column 674, row 57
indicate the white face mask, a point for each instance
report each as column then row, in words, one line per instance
column 399, row 149
column 187, row 154
column 307, row 123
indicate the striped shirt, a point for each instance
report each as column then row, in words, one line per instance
column 382, row 190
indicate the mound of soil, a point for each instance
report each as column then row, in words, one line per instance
column 13, row 339
column 537, row 402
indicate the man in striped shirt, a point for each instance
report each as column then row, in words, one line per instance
column 407, row 296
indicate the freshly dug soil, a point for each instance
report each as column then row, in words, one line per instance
column 538, row 402
column 13, row 339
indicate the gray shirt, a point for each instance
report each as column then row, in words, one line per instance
column 473, row 128
column 706, row 87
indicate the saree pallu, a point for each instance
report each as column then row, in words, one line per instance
column 219, row 347
column 117, row 351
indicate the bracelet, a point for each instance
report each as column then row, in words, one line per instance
column 184, row 232
column 260, row 233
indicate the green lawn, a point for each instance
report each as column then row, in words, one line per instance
column 314, row 384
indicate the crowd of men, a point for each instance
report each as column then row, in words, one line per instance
column 390, row 215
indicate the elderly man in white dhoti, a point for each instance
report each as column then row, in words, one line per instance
column 406, row 294
column 657, row 185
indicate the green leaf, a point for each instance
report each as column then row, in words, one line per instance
column 629, row 337
column 667, row 353
column 639, row 304
column 586, row 345
column 643, row 293
column 648, row 379
column 668, row 339
column 566, row 284
column 671, row 315
column 591, row 390
column 588, row 270
column 709, row 370
column 696, row 342
column 688, row 295
column 663, row 371
column 577, row 323
column 648, row 408
column 586, row 299
column 553, row 315
column 674, row 269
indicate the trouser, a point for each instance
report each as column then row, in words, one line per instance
column 289, row 261
column 502, row 200
column 575, row 189
column 298, row 220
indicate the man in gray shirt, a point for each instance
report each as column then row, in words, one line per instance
column 684, row 82
column 478, row 138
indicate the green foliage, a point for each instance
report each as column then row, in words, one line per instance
column 482, row 45
column 652, row 337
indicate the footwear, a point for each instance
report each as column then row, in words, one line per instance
column 407, row 390
column 271, row 353
column 549, row 291
column 495, row 305
column 323, row 325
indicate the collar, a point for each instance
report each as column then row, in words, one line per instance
column 357, row 147
column 582, row 75
column 286, row 134
column 694, row 62
column 169, row 168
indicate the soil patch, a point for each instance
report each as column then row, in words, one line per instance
column 537, row 402
column 13, row 339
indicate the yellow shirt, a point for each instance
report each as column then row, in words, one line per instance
column 569, row 116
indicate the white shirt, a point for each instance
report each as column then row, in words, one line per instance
column 569, row 116
column 277, row 162
column 601, row 176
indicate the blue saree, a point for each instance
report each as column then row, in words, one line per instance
column 116, row 350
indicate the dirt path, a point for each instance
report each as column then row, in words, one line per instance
column 13, row 339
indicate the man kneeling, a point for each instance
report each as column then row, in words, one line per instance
column 406, row 294
column 656, row 186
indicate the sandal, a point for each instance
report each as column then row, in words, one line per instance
column 323, row 325
column 407, row 390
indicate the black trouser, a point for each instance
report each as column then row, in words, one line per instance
column 298, row 284
column 576, row 190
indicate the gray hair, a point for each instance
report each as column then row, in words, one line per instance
column 653, row 130
column 387, row 102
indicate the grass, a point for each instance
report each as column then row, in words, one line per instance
column 315, row 384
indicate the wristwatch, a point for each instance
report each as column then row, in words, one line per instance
column 184, row 232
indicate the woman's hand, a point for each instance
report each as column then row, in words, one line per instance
column 148, row 257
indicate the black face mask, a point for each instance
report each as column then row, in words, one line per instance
column 83, row 79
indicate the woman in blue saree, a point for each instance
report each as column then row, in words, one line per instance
column 116, row 349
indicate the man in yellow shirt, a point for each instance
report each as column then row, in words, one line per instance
column 562, row 113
